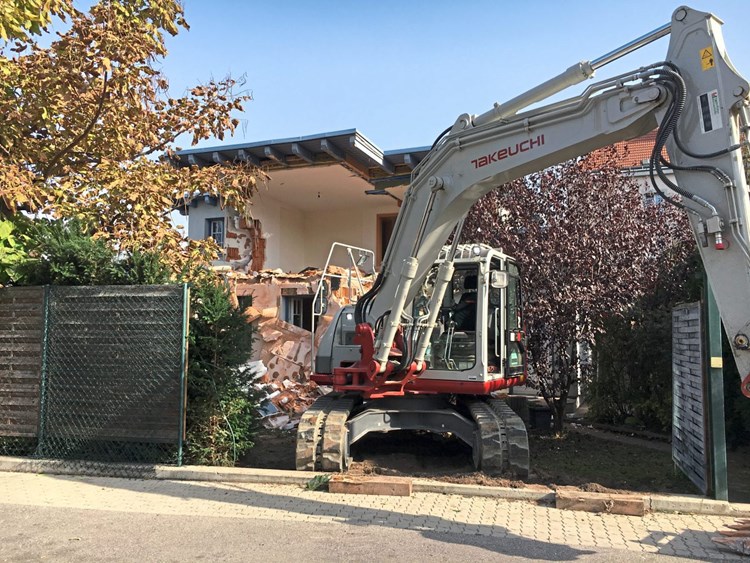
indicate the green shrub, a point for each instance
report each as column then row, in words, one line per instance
column 633, row 376
column 64, row 253
column 11, row 252
column 222, row 405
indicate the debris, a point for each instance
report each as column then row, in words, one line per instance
column 266, row 409
column 283, row 358
column 737, row 538
column 276, row 421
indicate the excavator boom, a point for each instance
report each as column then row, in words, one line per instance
column 695, row 98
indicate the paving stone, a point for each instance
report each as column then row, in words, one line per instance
column 686, row 535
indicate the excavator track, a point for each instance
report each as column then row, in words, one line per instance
column 502, row 445
column 517, row 440
column 322, row 443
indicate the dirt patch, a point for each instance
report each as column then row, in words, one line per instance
column 588, row 462
column 274, row 449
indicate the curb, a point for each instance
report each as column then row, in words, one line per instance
column 543, row 495
column 538, row 494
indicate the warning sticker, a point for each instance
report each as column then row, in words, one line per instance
column 710, row 114
column 707, row 58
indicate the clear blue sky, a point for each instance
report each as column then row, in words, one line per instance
column 402, row 71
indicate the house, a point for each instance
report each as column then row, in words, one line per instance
column 329, row 187
column 634, row 160
column 325, row 188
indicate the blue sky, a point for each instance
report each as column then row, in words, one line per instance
column 401, row 72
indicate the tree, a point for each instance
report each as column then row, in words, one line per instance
column 222, row 404
column 21, row 18
column 587, row 247
column 88, row 124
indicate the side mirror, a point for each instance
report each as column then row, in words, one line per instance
column 498, row 279
column 320, row 305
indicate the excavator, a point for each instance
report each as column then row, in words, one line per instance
column 441, row 329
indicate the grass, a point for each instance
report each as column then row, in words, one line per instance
column 580, row 460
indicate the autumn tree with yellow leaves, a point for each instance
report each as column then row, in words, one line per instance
column 88, row 126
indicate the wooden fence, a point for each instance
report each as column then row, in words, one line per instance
column 21, row 336
column 93, row 372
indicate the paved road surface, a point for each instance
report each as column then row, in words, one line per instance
column 59, row 518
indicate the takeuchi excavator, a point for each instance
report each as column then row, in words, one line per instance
column 441, row 328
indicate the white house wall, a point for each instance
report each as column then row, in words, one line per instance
column 198, row 216
column 296, row 239
column 357, row 227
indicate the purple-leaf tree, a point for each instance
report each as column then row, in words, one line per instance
column 588, row 247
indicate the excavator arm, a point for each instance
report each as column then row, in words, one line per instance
column 696, row 100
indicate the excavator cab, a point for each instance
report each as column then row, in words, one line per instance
column 480, row 326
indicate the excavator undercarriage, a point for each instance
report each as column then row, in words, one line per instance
column 496, row 434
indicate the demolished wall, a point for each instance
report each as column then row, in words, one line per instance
column 283, row 348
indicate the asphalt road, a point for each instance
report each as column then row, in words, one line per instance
column 59, row 518
column 33, row 533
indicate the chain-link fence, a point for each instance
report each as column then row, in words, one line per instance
column 92, row 375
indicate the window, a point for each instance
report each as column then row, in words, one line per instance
column 215, row 230
column 244, row 301
column 298, row 310
column 386, row 223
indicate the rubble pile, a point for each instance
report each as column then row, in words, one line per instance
column 282, row 349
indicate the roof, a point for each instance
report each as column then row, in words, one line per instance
column 634, row 153
column 349, row 148
column 353, row 150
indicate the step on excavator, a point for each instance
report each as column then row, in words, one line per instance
column 441, row 328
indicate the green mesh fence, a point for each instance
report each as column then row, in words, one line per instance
column 94, row 375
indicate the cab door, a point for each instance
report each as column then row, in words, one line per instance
column 505, row 350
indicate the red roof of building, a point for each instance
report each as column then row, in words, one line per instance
column 631, row 154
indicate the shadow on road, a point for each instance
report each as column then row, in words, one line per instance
column 489, row 537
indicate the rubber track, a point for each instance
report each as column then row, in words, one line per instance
column 517, row 439
column 333, row 447
column 309, row 430
column 502, row 443
column 490, row 451
column 322, row 435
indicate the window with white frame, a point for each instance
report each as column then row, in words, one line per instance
column 215, row 230
column 298, row 310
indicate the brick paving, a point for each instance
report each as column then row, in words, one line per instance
column 683, row 535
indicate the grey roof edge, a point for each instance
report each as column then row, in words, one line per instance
column 314, row 137
column 256, row 144
column 407, row 151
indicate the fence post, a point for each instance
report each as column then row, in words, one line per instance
column 717, row 449
column 183, row 369
column 43, row 374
